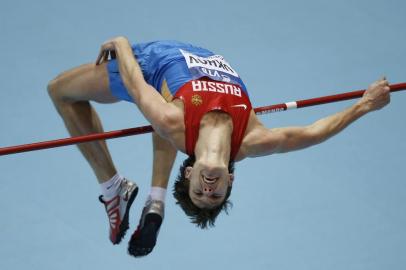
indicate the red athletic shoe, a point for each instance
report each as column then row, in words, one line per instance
column 118, row 209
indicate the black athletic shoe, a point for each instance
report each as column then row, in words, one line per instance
column 144, row 238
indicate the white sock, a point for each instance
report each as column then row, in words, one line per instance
column 110, row 188
column 157, row 194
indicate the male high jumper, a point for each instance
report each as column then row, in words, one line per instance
column 196, row 103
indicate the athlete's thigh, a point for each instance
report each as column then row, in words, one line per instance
column 86, row 82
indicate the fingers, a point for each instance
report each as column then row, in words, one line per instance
column 105, row 53
column 386, row 90
column 107, row 50
column 383, row 82
column 384, row 85
column 101, row 57
column 113, row 54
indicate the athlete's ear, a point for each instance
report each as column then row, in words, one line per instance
column 230, row 181
column 188, row 172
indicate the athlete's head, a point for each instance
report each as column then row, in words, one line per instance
column 202, row 190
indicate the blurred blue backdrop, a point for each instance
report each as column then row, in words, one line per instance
column 338, row 205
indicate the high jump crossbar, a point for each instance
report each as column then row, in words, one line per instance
column 146, row 129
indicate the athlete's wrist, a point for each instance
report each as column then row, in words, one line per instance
column 121, row 40
column 362, row 107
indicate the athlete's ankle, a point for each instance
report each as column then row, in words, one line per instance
column 156, row 194
column 111, row 187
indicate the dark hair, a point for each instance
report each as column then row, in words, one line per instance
column 202, row 217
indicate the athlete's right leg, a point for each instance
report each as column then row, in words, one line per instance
column 71, row 92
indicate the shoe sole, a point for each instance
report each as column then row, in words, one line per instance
column 125, row 224
column 150, row 230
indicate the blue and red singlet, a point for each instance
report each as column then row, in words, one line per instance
column 203, row 80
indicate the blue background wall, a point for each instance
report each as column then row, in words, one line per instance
column 339, row 205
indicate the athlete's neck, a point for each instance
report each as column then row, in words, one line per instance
column 214, row 143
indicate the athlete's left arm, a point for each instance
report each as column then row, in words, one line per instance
column 163, row 159
column 281, row 140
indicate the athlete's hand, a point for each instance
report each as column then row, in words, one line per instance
column 108, row 49
column 376, row 96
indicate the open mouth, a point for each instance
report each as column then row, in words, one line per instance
column 210, row 180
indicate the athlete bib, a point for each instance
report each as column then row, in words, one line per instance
column 215, row 67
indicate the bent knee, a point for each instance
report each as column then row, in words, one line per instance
column 52, row 89
column 57, row 89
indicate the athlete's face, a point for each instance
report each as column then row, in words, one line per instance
column 208, row 184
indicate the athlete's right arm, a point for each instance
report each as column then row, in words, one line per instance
column 152, row 105
column 265, row 141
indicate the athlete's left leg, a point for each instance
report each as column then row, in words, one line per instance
column 144, row 238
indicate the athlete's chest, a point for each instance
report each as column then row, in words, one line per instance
column 212, row 118
column 203, row 95
column 209, row 120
